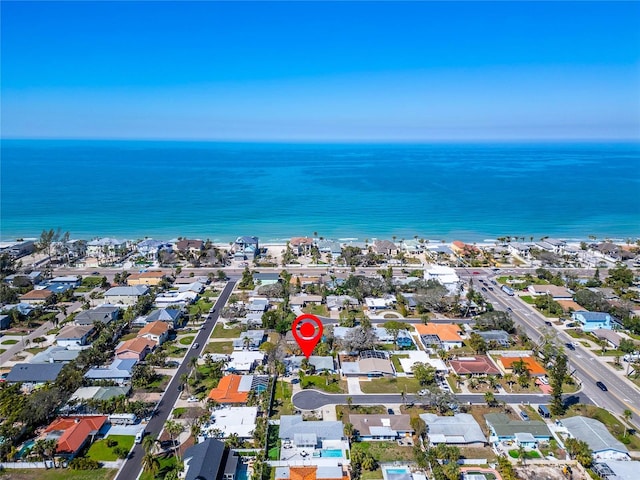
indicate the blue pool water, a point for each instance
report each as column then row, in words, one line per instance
column 337, row 453
column 243, row 472
column 27, row 445
column 397, row 471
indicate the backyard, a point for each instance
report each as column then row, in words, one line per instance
column 384, row 451
column 282, row 404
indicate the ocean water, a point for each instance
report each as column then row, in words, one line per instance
column 221, row 190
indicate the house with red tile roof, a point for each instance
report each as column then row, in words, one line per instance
column 136, row 348
column 73, row 433
column 478, row 365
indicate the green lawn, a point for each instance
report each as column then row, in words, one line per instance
column 100, row 452
column 211, row 293
column 282, row 404
column 158, row 385
column 11, row 341
column 186, row 340
column 384, row 451
column 328, row 383
column 219, row 347
column 395, row 359
column 374, row 475
column 175, row 351
column 609, row 353
column 390, row 385
column 59, row 474
column 179, row 412
column 273, row 442
column 201, row 306
column 221, row 332
column 527, row 454
column 321, row 310
column 527, row 299
column 166, row 464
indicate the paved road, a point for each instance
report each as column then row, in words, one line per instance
column 133, row 465
column 622, row 394
column 313, row 399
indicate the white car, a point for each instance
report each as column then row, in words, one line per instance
column 192, row 399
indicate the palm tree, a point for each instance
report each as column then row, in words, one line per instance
column 150, row 463
column 489, row 399
column 149, row 443
column 508, row 377
column 349, row 432
column 627, row 414
column 184, row 380
column 174, row 429
column 350, row 402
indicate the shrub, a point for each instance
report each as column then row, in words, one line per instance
column 121, row 452
column 111, row 443
column 84, row 464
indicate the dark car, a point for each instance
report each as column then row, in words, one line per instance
column 390, row 411
column 484, row 289
column 548, row 323
column 602, row 386
column 570, row 346
column 491, row 288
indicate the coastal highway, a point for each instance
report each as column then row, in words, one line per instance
column 133, row 464
column 621, row 394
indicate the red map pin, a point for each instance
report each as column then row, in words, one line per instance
column 307, row 330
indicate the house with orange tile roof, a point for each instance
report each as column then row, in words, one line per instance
column 301, row 245
column 311, row 472
column 157, row 332
column 441, row 336
column 145, row 278
column 35, row 297
column 136, row 348
column 73, row 433
column 231, row 390
column 464, row 249
column 535, row 369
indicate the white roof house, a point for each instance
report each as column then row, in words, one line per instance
column 446, row 276
column 244, row 361
column 238, row 420
column 460, row 429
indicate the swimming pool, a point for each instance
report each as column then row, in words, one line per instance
column 27, row 445
column 334, row 453
column 397, row 471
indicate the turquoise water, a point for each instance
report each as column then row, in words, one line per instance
column 275, row 191
column 333, row 453
column 27, row 445
column 397, row 471
column 242, row 472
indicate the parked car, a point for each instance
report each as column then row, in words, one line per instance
column 602, row 386
column 192, row 399
column 390, row 411
column 524, row 416
column 195, row 345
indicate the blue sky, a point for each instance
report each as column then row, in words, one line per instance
column 321, row 71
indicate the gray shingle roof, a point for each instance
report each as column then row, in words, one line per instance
column 34, row 372
column 594, row 433
column 290, row 425
column 122, row 291
column 204, row 460
column 506, row 427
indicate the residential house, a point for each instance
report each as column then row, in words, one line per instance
column 191, row 246
column 385, row 303
column 249, row 340
column 258, row 305
column 73, row 433
column 530, row 363
column 312, row 472
column 603, row 445
column 86, row 394
column 74, row 335
column 125, row 295
column 36, row 297
column 246, row 247
column 150, row 249
column 385, row 247
column 612, row 338
column 301, row 245
column 265, row 278
column 340, row 302
column 460, row 429
column 478, row 365
column 522, row 250
column 107, row 248
column 404, row 337
column 136, row 348
column 464, row 249
column 32, row 375
column 157, row 332
column 195, row 287
column 244, row 361
column 309, row 434
column 232, row 390
column 330, row 247
column 504, row 428
column 203, row 279
column 73, row 281
column 305, row 300
column 145, row 278
column 319, row 363
column 420, row 356
column 120, row 371
column 240, row 421
column 554, row 291
column 19, row 279
column 372, row 363
column 591, row 321
column 499, row 338
column 5, row 322
column 102, row 314
column 617, row 469
column 175, row 299
column 439, row 336
column 444, row 275
column 168, row 315
column 381, row 427
column 209, row 460
column 18, row 249
column 56, row 354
